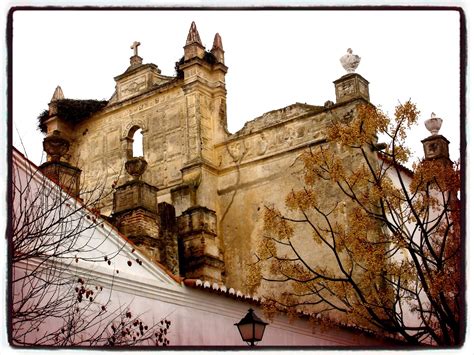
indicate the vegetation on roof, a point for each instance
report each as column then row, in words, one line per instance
column 72, row 111
column 208, row 58
column 179, row 72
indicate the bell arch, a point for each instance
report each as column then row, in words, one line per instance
column 134, row 142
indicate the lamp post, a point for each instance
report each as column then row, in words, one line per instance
column 251, row 328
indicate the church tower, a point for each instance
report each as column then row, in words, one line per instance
column 206, row 125
column 205, row 94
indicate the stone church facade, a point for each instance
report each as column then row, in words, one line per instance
column 193, row 202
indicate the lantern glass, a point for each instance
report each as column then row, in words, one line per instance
column 246, row 331
column 258, row 333
column 251, row 328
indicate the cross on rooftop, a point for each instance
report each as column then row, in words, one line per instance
column 134, row 46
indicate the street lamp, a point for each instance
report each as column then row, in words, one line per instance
column 251, row 328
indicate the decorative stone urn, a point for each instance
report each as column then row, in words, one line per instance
column 350, row 61
column 56, row 146
column 136, row 166
column 433, row 124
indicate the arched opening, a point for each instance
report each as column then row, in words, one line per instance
column 134, row 143
column 137, row 145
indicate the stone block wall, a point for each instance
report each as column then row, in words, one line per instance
column 201, row 254
column 259, row 167
column 168, row 238
column 137, row 222
column 135, row 194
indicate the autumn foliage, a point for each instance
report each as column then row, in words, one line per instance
column 366, row 242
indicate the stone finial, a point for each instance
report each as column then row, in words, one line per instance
column 58, row 94
column 217, row 42
column 56, row 146
column 136, row 167
column 193, row 35
column 56, row 169
column 435, row 146
column 350, row 61
column 433, row 124
column 217, row 48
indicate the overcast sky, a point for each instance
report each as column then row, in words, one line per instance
column 275, row 58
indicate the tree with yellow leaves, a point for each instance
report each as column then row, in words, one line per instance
column 366, row 242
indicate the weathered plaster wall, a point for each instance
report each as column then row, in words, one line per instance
column 181, row 121
column 100, row 144
column 260, row 167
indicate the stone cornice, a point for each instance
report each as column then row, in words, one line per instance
column 210, row 87
column 141, row 96
column 201, row 162
column 344, row 77
column 204, row 63
column 277, row 154
column 131, row 71
column 236, row 137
